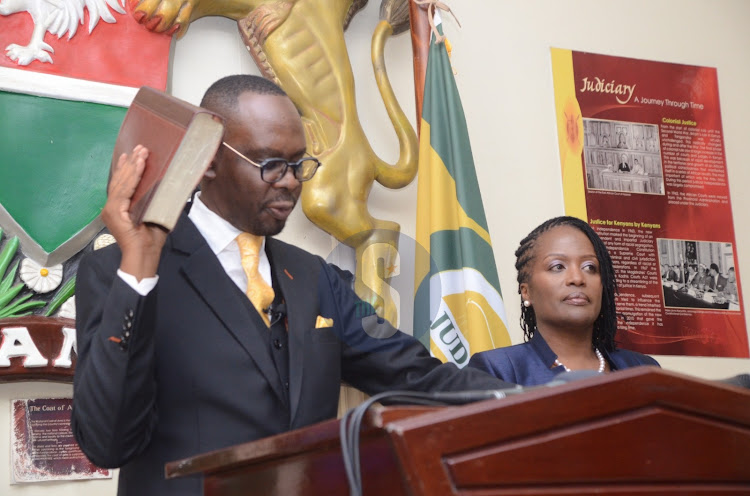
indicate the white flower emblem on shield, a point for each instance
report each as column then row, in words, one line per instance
column 39, row 278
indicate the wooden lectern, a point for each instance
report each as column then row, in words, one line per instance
column 641, row 431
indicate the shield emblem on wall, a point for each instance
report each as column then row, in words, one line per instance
column 68, row 71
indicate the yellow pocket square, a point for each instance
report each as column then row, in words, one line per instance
column 323, row 322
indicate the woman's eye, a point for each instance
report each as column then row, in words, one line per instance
column 591, row 268
column 557, row 267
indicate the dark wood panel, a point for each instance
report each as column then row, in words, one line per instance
column 653, row 445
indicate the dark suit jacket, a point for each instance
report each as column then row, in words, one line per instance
column 716, row 283
column 528, row 364
column 197, row 372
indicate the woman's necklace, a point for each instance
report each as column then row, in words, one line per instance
column 599, row 355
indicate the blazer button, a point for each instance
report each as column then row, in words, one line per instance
column 277, row 344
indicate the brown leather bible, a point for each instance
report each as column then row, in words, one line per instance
column 182, row 139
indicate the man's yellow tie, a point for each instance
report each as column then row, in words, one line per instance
column 258, row 290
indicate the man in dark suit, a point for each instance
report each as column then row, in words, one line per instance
column 716, row 281
column 623, row 165
column 175, row 360
column 675, row 274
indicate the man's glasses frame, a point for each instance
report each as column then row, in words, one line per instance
column 272, row 170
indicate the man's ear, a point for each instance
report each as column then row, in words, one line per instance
column 211, row 171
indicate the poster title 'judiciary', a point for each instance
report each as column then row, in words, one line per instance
column 599, row 85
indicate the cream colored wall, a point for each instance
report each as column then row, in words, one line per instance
column 502, row 57
column 517, row 159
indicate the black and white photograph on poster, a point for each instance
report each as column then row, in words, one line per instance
column 698, row 274
column 622, row 156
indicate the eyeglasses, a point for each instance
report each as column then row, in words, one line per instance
column 273, row 169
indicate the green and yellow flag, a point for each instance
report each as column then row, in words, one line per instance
column 458, row 307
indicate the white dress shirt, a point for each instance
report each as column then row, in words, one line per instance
column 221, row 238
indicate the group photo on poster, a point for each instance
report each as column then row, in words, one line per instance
column 698, row 274
column 643, row 161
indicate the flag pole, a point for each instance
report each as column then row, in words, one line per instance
column 420, row 45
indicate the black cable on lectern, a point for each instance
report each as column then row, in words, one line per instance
column 351, row 422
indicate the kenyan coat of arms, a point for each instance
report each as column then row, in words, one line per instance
column 68, row 71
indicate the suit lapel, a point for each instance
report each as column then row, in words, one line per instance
column 205, row 274
column 299, row 284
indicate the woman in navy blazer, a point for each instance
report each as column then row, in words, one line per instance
column 567, row 285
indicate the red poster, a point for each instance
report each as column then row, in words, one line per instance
column 643, row 162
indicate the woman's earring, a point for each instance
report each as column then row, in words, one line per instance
column 526, row 303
